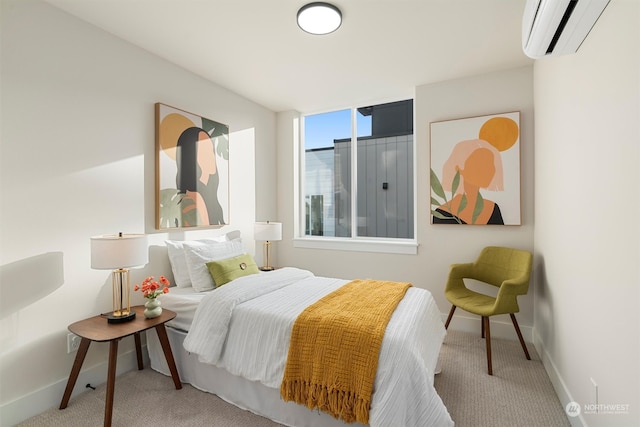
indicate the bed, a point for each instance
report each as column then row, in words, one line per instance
column 232, row 341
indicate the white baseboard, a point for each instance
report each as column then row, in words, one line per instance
column 556, row 380
column 499, row 328
column 50, row 396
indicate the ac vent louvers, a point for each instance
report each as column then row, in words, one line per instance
column 563, row 24
column 558, row 27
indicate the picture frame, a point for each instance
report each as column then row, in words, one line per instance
column 475, row 170
column 192, row 170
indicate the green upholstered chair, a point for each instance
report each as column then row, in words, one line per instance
column 506, row 268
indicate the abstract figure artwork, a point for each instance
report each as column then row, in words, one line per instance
column 475, row 170
column 192, row 170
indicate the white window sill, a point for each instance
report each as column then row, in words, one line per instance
column 391, row 246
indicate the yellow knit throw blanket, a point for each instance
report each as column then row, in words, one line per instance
column 335, row 343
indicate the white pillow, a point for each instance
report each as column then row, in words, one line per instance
column 197, row 254
column 179, row 262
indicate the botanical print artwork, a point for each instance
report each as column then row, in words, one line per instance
column 475, row 170
column 192, row 170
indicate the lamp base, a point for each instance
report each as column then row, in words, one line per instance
column 266, row 268
column 122, row 318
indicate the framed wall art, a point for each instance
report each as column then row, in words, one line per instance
column 475, row 170
column 192, row 170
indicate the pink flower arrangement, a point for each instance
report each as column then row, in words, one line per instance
column 151, row 288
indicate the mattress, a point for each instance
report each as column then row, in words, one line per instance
column 241, row 332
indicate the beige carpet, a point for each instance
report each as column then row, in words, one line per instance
column 518, row 394
column 146, row 398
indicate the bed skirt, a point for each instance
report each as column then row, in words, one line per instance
column 252, row 396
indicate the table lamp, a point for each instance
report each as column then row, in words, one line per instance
column 269, row 232
column 118, row 253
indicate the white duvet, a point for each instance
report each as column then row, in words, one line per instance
column 245, row 325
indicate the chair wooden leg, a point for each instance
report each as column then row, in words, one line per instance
column 482, row 327
column 485, row 322
column 524, row 346
column 453, row 308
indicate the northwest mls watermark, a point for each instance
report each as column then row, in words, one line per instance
column 573, row 409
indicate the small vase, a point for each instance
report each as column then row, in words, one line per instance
column 152, row 308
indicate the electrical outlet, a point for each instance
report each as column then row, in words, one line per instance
column 73, row 343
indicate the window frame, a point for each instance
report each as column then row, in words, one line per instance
column 407, row 246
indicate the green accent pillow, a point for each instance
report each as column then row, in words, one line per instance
column 226, row 270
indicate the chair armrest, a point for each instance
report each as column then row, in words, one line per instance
column 506, row 300
column 460, row 271
column 457, row 272
column 516, row 286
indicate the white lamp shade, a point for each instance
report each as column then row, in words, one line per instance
column 110, row 252
column 319, row 18
column 267, row 231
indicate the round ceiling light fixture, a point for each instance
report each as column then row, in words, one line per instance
column 319, row 18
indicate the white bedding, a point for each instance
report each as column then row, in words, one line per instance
column 244, row 328
column 184, row 301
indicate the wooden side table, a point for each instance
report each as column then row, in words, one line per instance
column 97, row 329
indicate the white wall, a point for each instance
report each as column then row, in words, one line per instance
column 78, row 160
column 440, row 245
column 587, row 209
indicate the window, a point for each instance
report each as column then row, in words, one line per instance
column 361, row 191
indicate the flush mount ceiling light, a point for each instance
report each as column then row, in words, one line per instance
column 319, row 18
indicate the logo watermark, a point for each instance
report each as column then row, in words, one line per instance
column 574, row 409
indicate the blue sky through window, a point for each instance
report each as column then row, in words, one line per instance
column 321, row 129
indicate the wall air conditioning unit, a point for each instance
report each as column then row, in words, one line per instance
column 558, row 27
